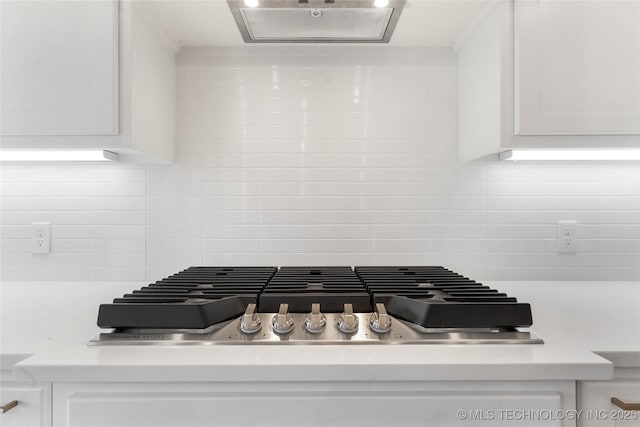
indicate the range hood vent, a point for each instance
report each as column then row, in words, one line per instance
column 316, row 21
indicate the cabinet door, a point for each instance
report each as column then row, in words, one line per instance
column 594, row 399
column 307, row 405
column 59, row 71
column 577, row 67
column 34, row 405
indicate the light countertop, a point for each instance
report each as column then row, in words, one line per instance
column 314, row 363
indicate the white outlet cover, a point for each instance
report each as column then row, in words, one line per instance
column 40, row 237
column 567, row 240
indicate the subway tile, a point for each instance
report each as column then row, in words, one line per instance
column 292, row 258
column 400, row 217
column 118, row 217
column 165, row 232
column 401, row 259
column 290, row 203
column 405, row 188
column 117, row 246
column 118, row 260
column 619, row 260
column 231, row 203
column 285, row 217
column 347, row 189
column 20, row 231
column 520, row 260
column 288, row 231
column 571, row 188
column 328, row 150
column 58, row 274
column 232, row 246
column 25, row 203
column 345, row 203
column 118, row 203
column 170, row 246
column 71, row 231
column 288, row 189
column 61, row 260
column 515, row 217
column 327, row 217
column 401, row 203
column 232, row 189
column 522, row 231
column 119, row 274
column 344, row 175
column 288, row 245
column 630, row 231
column 173, row 203
column 415, row 245
column 620, row 217
column 346, row 245
column 457, row 245
column 117, row 232
column 509, row 246
column 168, row 218
column 349, row 258
column 235, row 217
column 345, row 232
column 621, row 246
column 232, row 259
column 78, row 246
column 401, row 231
column 15, row 246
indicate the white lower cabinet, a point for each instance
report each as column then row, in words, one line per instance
column 33, row 408
column 594, row 399
column 302, row 404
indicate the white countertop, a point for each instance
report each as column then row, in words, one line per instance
column 574, row 318
column 315, row 363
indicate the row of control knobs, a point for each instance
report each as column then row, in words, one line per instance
column 315, row 322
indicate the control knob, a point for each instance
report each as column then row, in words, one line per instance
column 250, row 323
column 347, row 321
column 283, row 321
column 380, row 321
column 315, row 321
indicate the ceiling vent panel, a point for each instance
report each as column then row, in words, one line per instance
column 291, row 21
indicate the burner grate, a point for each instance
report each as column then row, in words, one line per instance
column 435, row 297
column 300, row 287
column 195, row 298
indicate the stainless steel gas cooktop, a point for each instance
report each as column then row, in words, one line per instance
column 315, row 305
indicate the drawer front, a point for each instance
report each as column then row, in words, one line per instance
column 34, row 405
column 190, row 405
column 594, row 399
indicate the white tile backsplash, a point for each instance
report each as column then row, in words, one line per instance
column 319, row 155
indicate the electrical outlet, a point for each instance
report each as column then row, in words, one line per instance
column 567, row 240
column 40, row 237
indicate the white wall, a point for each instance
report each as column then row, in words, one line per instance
column 320, row 155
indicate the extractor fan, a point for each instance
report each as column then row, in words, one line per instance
column 316, row 21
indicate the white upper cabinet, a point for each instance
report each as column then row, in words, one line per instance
column 549, row 74
column 59, row 67
column 87, row 74
column 577, row 67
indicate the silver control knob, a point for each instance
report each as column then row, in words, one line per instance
column 250, row 323
column 315, row 321
column 283, row 321
column 380, row 321
column 347, row 321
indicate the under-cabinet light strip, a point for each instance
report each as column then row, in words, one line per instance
column 571, row 155
column 57, row 156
